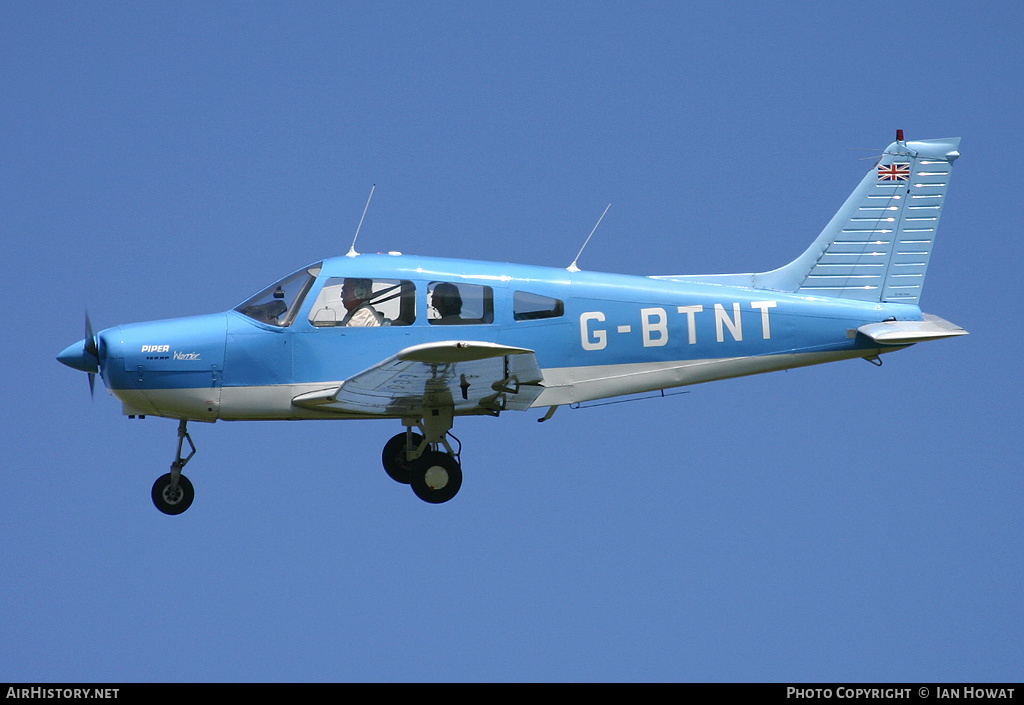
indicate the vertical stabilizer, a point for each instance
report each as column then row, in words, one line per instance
column 877, row 246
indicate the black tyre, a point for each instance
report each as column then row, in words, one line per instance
column 173, row 500
column 393, row 457
column 436, row 477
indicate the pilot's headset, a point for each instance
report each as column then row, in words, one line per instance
column 362, row 289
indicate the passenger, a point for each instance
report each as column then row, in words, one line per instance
column 355, row 295
column 448, row 303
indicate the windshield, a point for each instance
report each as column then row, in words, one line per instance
column 277, row 304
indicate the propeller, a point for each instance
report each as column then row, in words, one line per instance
column 91, row 349
column 84, row 355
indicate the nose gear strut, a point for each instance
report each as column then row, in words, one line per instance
column 173, row 493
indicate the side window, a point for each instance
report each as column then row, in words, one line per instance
column 357, row 302
column 530, row 307
column 459, row 304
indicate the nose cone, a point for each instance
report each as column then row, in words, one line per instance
column 77, row 357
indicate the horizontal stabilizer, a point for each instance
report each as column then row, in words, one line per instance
column 909, row 332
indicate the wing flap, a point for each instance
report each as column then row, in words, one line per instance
column 468, row 376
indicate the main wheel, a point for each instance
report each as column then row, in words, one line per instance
column 394, row 459
column 173, row 500
column 436, row 477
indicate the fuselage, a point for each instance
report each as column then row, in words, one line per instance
column 595, row 335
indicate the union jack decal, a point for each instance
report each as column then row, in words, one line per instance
column 894, row 172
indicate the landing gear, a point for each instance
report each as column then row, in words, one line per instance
column 173, row 493
column 417, row 459
column 170, row 498
column 436, row 477
column 395, row 456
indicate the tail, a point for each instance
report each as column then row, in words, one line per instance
column 877, row 247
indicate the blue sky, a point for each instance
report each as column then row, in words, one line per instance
column 836, row 523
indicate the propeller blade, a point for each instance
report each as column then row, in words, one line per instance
column 90, row 339
column 92, row 349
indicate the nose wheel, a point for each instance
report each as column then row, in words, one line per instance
column 171, row 498
column 173, row 493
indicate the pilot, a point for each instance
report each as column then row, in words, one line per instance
column 355, row 296
column 448, row 303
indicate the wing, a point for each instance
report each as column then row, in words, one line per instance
column 470, row 376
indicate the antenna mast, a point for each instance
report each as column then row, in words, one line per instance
column 352, row 250
column 572, row 267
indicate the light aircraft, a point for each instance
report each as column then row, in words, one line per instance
column 424, row 340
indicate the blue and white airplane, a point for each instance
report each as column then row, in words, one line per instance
column 424, row 340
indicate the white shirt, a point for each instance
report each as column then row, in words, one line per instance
column 364, row 315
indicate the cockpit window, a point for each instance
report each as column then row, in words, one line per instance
column 277, row 304
column 357, row 302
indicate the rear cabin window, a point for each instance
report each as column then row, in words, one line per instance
column 358, row 302
column 459, row 304
column 532, row 307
